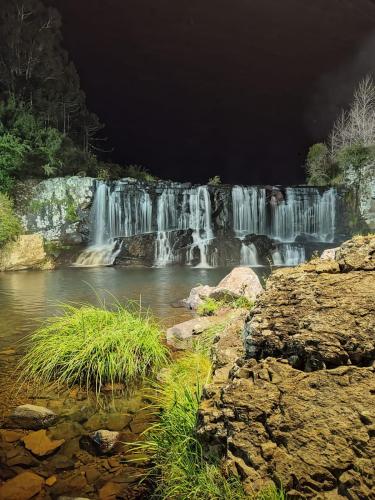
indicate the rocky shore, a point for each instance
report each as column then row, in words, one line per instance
column 294, row 403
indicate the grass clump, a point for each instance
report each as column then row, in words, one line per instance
column 92, row 347
column 210, row 306
column 10, row 224
column 179, row 469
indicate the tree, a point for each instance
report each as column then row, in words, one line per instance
column 318, row 165
column 12, row 155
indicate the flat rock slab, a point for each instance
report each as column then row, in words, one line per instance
column 313, row 432
column 180, row 336
column 32, row 417
column 22, row 487
column 40, row 444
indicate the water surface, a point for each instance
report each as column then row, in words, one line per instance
column 28, row 297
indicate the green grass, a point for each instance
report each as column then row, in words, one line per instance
column 10, row 224
column 179, row 470
column 92, row 347
column 209, row 307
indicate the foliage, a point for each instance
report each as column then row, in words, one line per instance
column 12, row 154
column 214, row 181
column 351, row 143
column 179, row 470
column 318, row 165
column 10, row 225
column 355, row 156
column 210, row 306
column 93, row 347
column 138, row 172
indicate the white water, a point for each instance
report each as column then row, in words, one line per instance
column 288, row 255
column 249, row 210
column 124, row 209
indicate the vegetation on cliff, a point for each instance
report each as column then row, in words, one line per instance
column 92, row 347
column 10, row 225
column 351, row 145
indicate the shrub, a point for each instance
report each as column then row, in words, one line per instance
column 140, row 173
column 12, row 153
column 355, row 156
column 210, row 306
column 93, row 347
column 318, row 165
column 214, row 181
column 10, row 224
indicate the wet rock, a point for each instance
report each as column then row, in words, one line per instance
column 94, row 423
column 20, row 457
column 11, row 436
column 40, row 444
column 74, row 484
column 302, row 429
column 22, row 487
column 104, row 440
column 33, row 417
column 110, row 491
column 118, row 421
column 66, row 430
column 51, row 481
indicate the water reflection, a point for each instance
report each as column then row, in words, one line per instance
column 28, row 297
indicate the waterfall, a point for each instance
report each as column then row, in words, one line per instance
column 115, row 213
column 249, row 255
column 249, row 210
column 289, row 255
column 201, row 223
column 166, row 221
column 128, row 208
column 305, row 211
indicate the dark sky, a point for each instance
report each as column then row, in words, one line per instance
column 237, row 88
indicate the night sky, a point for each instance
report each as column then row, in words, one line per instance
column 236, row 88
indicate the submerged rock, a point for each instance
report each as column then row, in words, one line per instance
column 22, row 487
column 40, row 444
column 32, row 417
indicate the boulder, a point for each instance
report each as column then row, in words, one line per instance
column 329, row 254
column 27, row 252
column 311, row 432
column 242, row 281
column 32, row 417
column 40, row 444
column 357, row 254
column 22, row 487
column 104, row 440
column 316, row 316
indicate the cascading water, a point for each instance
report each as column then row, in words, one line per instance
column 304, row 212
column 289, row 255
column 249, row 210
column 170, row 211
column 249, row 255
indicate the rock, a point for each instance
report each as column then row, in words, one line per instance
column 33, row 417
column 357, row 254
column 242, row 281
column 94, row 423
column 66, row 430
column 105, row 440
column 11, row 436
column 20, row 457
column 92, row 474
column 197, row 296
column 110, row 491
column 329, row 254
column 118, row 421
column 316, row 316
column 51, row 480
column 22, row 487
column 27, row 252
column 73, row 484
column 303, row 429
column 40, row 444
column 181, row 336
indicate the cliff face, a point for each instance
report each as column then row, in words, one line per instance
column 363, row 184
column 298, row 407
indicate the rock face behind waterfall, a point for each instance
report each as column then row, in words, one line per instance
column 298, row 409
